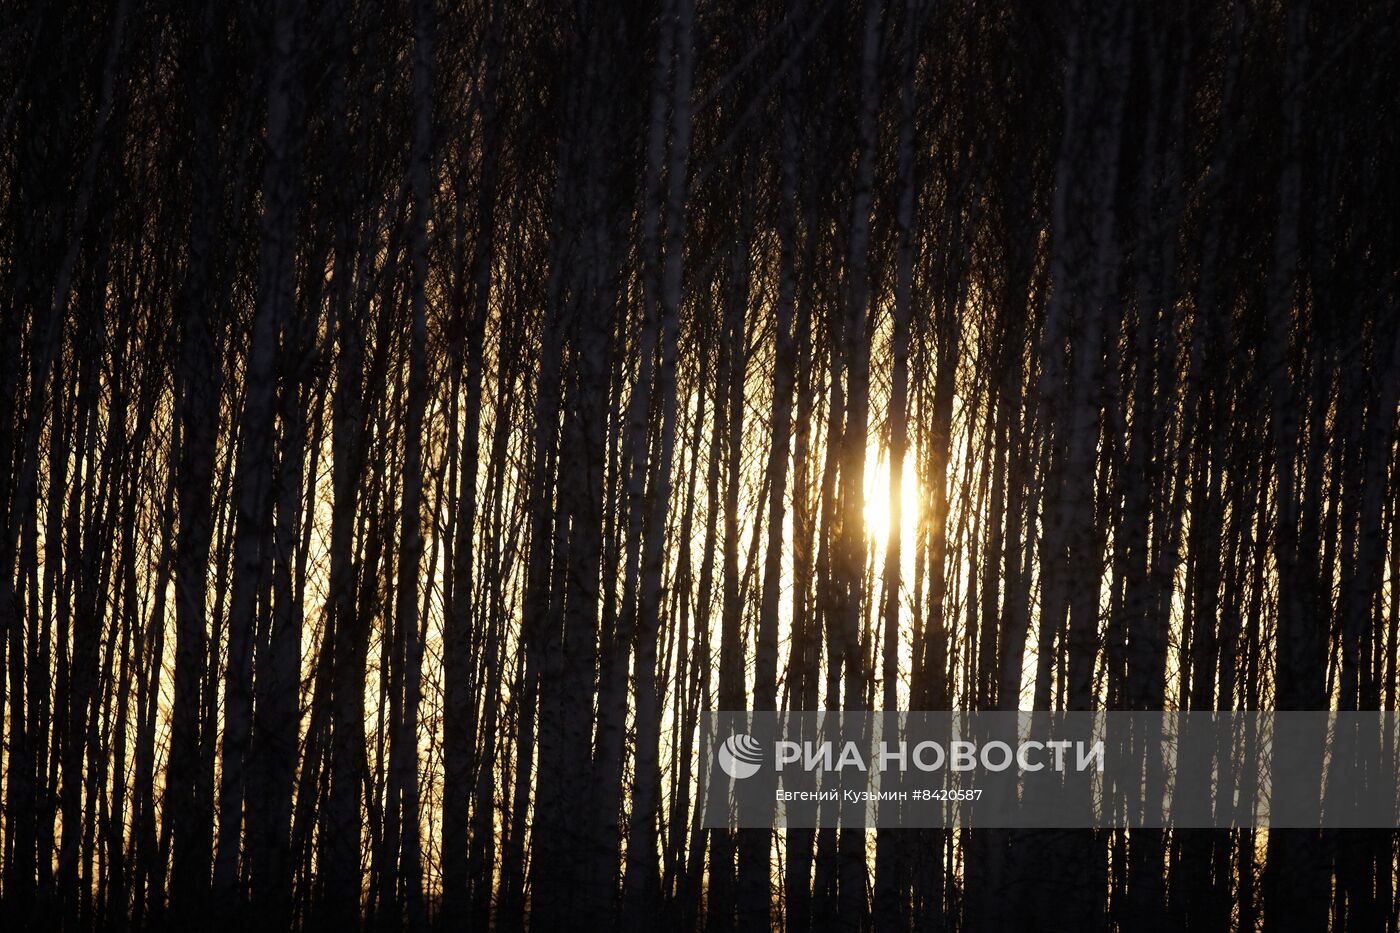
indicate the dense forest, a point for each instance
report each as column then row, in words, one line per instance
column 414, row 415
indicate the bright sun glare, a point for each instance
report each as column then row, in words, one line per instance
column 878, row 517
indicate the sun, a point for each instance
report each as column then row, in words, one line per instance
column 879, row 517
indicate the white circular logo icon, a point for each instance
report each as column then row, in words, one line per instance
column 740, row 756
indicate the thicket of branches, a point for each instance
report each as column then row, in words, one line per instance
column 413, row 415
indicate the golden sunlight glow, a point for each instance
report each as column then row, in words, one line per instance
column 878, row 515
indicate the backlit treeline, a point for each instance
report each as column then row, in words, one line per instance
column 414, row 415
